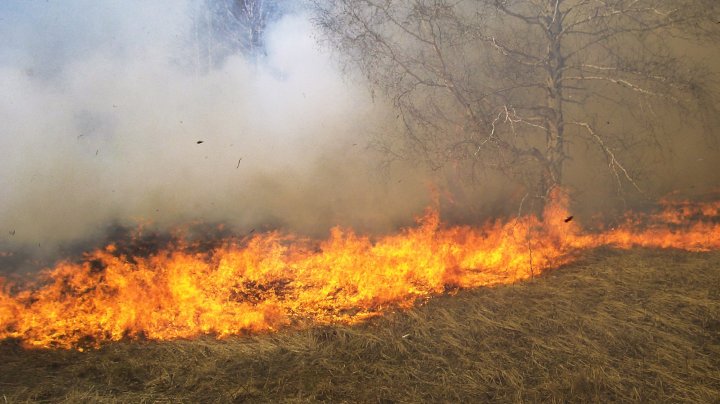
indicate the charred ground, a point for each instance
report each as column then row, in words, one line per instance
column 639, row 325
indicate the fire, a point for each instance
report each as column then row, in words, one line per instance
column 276, row 280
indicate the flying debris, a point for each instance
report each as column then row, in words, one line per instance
column 569, row 219
column 200, row 142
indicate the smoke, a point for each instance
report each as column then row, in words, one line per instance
column 119, row 113
column 107, row 117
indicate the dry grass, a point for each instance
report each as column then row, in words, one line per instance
column 617, row 326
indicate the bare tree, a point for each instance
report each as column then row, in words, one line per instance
column 225, row 27
column 247, row 20
column 523, row 86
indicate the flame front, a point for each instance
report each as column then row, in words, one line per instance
column 275, row 280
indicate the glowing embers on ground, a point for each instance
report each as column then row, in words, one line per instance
column 274, row 280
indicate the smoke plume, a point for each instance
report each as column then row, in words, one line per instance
column 133, row 113
column 110, row 116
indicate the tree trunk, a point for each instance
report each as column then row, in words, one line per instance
column 555, row 149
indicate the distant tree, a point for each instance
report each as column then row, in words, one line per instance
column 523, row 86
column 245, row 21
column 225, row 27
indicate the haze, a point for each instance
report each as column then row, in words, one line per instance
column 104, row 107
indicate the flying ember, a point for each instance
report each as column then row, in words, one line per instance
column 275, row 280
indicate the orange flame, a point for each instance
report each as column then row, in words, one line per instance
column 275, row 280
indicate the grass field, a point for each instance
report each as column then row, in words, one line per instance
column 640, row 325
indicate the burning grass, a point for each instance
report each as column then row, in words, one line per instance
column 637, row 325
column 272, row 281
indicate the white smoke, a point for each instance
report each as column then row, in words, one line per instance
column 103, row 109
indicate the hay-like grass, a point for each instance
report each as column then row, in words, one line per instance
column 640, row 325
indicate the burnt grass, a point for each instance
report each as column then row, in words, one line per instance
column 640, row 325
